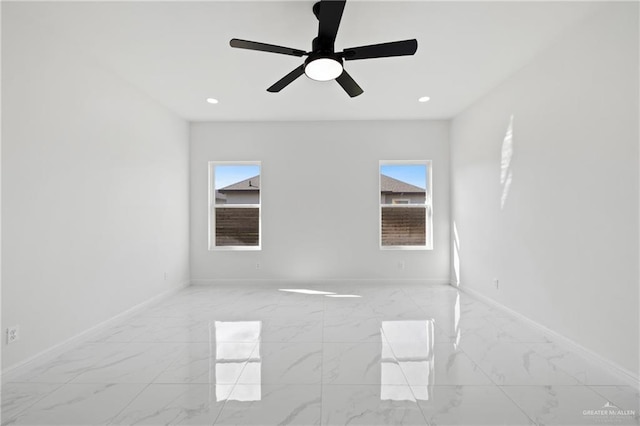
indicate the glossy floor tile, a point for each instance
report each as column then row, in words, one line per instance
column 570, row 405
column 302, row 355
column 469, row 405
column 79, row 404
column 370, row 405
column 175, row 404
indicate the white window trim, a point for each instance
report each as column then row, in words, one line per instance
column 427, row 205
column 212, row 206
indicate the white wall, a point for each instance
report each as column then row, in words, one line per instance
column 94, row 191
column 0, row 182
column 320, row 195
column 565, row 245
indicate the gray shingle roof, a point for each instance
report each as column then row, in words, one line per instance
column 391, row 185
column 251, row 184
column 387, row 185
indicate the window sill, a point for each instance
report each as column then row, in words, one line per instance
column 406, row 248
column 235, row 248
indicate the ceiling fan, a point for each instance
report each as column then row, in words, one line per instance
column 323, row 63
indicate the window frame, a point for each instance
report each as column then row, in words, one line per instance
column 428, row 204
column 212, row 206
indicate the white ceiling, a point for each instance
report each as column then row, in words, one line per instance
column 178, row 53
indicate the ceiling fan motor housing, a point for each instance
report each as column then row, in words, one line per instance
column 321, row 55
column 319, row 45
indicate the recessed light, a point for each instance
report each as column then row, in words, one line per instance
column 424, row 99
column 212, row 100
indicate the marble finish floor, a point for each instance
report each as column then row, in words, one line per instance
column 340, row 354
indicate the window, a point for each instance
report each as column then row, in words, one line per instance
column 234, row 206
column 405, row 205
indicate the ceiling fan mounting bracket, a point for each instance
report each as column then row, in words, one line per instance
column 316, row 10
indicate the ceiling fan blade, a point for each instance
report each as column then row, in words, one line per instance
column 383, row 50
column 263, row 47
column 286, row 80
column 349, row 85
column 330, row 16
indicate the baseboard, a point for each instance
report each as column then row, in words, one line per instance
column 16, row 370
column 271, row 281
column 620, row 372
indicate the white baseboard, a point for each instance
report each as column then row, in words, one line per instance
column 271, row 281
column 40, row 358
column 620, row 372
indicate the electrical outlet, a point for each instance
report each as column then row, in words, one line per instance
column 401, row 264
column 165, row 276
column 258, row 265
column 496, row 283
column 13, row 334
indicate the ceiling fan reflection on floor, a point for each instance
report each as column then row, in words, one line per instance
column 323, row 63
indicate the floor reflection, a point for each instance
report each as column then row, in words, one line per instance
column 456, row 321
column 237, row 351
column 407, row 351
column 506, row 169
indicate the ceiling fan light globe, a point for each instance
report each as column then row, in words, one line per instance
column 323, row 69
